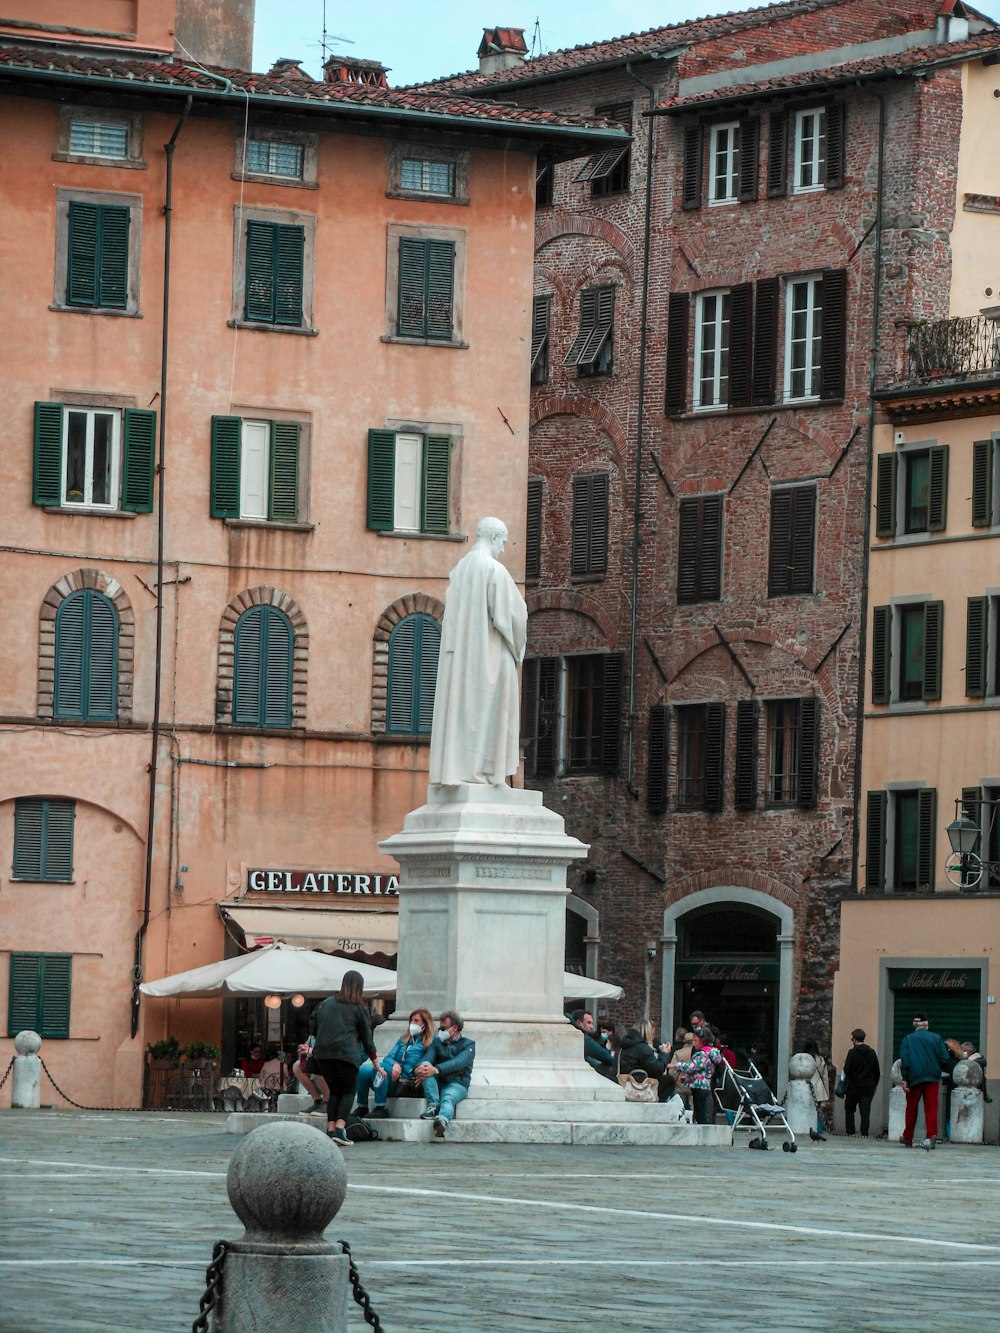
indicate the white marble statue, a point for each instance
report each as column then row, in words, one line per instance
column 476, row 726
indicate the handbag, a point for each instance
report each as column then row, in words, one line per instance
column 839, row 1088
column 639, row 1087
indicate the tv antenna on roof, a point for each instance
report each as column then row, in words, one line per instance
column 328, row 38
column 536, row 41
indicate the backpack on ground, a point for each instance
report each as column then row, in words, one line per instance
column 359, row 1131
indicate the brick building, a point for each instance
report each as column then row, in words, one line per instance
column 711, row 308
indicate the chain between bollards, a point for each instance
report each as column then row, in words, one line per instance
column 9, row 1068
column 79, row 1105
column 360, row 1295
column 213, row 1285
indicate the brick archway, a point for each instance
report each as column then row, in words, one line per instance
column 53, row 599
column 262, row 596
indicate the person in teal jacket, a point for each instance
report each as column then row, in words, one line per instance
column 446, row 1071
column 399, row 1064
column 922, row 1057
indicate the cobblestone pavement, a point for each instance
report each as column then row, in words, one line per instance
column 108, row 1220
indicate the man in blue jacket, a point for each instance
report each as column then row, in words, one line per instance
column 446, row 1071
column 922, row 1056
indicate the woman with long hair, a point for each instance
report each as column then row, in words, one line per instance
column 343, row 1037
column 399, row 1064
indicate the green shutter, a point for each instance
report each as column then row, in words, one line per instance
column 437, row 469
column 97, row 255
column 262, row 669
column 745, row 775
column 86, row 657
column 656, row 761
column 875, row 840
column 289, row 265
column 881, row 654
column 440, row 289
column 27, row 838
column 982, row 483
column 260, row 271
column 402, row 691
column 926, row 837
column 82, row 247
column 937, row 508
column 426, row 674
column 57, row 971
column 138, row 460
column 225, row 483
column 112, row 292
column 976, row 622
column 411, row 316
column 933, row 648
column 283, row 501
column 247, row 659
column 101, row 657
column 71, row 628
column 381, row 480
column 43, row 839
column 23, row 993
column 885, row 495
column 46, row 486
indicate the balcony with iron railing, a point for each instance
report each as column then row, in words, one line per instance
column 946, row 352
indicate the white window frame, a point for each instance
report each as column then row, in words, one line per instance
column 408, row 467
column 307, row 142
column 254, row 499
column 716, row 328
column 724, row 163
column 810, row 150
column 803, row 355
column 457, row 159
column 131, row 123
column 114, row 487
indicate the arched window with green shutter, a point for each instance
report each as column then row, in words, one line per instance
column 86, row 665
column 262, row 673
column 414, row 645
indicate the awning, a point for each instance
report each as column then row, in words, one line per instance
column 350, row 932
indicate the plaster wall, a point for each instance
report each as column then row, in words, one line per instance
column 975, row 239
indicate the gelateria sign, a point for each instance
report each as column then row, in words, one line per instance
column 325, row 883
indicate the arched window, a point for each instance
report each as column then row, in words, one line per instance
column 86, row 664
column 413, row 659
column 262, row 685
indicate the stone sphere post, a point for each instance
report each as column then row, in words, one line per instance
column 26, row 1090
column 800, row 1109
column 967, row 1108
column 286, row 1183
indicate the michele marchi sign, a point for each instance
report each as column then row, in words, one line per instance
column 345, row 882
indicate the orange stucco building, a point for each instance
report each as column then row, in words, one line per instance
column 260, row 384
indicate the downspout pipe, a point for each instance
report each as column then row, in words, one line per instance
column 640, row 418
column 168, row 148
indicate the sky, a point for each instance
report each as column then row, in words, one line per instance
column 419, row 42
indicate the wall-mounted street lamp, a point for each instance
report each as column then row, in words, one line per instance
column 964, row 867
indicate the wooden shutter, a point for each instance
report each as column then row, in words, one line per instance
column 937, row 505
column 933, row 648
column 56, row 975
column 540, row 312
column 381, row 480
column 778, row 568
column 749, row 158
column 289, row 262
column 225, row 483
column 43, row 839
column 81, row 272
column 740, row 343
column 411, row 311
column 403, row 651
column 97, row 255
column 656, row 761
column 283, row 499
column 112, row 272
column 765, row 343
column 677, row 352
column 691, row 188
column 972, row 798
column 803, row 550
column 426, row 674
column 611, row 712
column 875, row 840
column 588, row 321
column 777, row 153
column 440, row 289
column 689, row 542
column 699, row 558
column 276, row 678
column 976, row 623
column 100, row 657
column 27, row 838
column 246, row 668
column 982, row 482
column 139, row 460
column 715, row 755
column 23, row 992
column 259, row 303
column 590, row 524
column 436, row 490
column 926, row 837
column 833, row 337
column 809, row 710
column 745, row 776
column 533, row 530
column 887, row 467
column 529, row 713
column 546, row 738
column 46, row 482
column 836, row 122
column 881, row 654
column 68, row 691
column 710, row 565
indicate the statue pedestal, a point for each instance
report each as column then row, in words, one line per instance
column 482, row 925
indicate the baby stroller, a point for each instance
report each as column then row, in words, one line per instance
column 750, row 1100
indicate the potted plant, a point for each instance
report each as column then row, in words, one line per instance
column 164, row 1054
column 201, row 1054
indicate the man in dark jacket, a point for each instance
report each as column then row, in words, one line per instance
column 446, row 1071
column 595, row 1052
column 861, row 1076
column 922, row 1056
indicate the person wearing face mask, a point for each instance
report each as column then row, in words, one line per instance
column 446, row 1071
column 399, row 1064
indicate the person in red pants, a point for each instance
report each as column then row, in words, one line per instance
column 922, row 1056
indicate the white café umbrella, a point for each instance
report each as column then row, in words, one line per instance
column 586, row 988
column 275, row 969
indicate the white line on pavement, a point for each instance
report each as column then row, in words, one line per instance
column 490, row 1261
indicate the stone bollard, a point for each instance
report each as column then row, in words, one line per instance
column 286, row 1183
column 26, row 1090
column 967, row 1107
column 897, row 1110
column 800, row 1109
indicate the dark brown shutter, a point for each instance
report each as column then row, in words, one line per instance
column 749, row 158
column 937, row 505
column 833, row 339
column 777, row 153
column 926, row 836
column 715, row 755
column 803, row 550
column 972, row 798
column 765, row 343
column 933, row 648
column 533, row 530
column 881, row 654
column 689, row 527
column 611, row 713
column 808, row 752
column 745, row 776
column 677, row 353
column 982, row 483
column 529, row 714
column 778, row 570
column 691, row 189
column 656, row 761
column 885, row 495
column 875, row 840
column 590, row 524
column 836, row 121
column 710, row 562
column 740, row 344
column 976, row 621
column 545, row 734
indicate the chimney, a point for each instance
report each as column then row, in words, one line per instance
column 290, row 70
column 501, row 48
column 952, row 22
column 348, row 69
